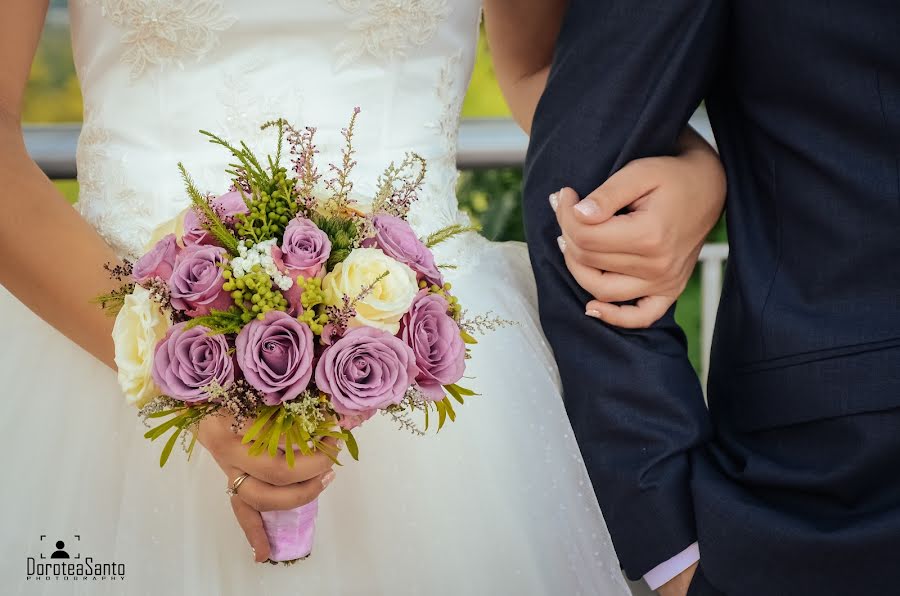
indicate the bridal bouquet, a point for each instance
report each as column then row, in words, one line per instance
column 284, row 305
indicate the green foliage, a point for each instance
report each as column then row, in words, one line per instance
column 218, row 322
column 183, row 420
column 210, row 220
column 314, row 314
column 342, row 233
column 447, row 233
column 293, row 428
column 493, row 199
column 254, row 293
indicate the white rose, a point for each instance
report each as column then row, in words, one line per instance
column 389, row 299
column 139, row 326
column 172, row 226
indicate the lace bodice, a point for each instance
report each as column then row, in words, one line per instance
column 154, row 72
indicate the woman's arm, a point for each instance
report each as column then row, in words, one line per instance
column 521, row 35
column 50, row 259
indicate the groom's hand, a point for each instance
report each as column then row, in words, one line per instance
column 639, row 235
column 680, row 584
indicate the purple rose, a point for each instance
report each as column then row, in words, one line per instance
column 275, row 355
column 187, row 361
column 226, row 206
column 398, row 240
column 304, row 248
column 434, row 338
column 159, row 262
column 196, row 281
column 366, row 370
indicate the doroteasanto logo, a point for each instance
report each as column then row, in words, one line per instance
column 64, row 561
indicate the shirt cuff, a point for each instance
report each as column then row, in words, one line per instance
column 662, row 573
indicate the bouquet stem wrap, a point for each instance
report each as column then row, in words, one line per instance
column 291, row 532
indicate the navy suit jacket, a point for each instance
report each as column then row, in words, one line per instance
column 804, row 98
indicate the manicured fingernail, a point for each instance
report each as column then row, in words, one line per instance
column 554, row 200
column 593, row 313
column 341, row 444
column 327, row 479
column 587, row 208
column 562, row 243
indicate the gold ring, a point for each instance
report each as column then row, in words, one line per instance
column 232, row 490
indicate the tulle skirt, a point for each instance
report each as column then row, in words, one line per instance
column 498, row 502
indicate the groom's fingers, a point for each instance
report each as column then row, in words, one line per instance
column 251, row 523
column 641, row 315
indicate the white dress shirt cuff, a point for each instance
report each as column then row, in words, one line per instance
column 665, row 571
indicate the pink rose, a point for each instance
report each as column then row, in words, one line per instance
column 367, row 369
column 187, row 361
column 276, row 356
column 395, row 237
column 434, row 338
column 196, row 281
column 159, row 262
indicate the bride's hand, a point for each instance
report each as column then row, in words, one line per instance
column 271, row 486
column 647, row 253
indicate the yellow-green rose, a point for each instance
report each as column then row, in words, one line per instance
column 139, row 326
column 390, row 297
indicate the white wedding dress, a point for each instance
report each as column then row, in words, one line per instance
column 499, row 503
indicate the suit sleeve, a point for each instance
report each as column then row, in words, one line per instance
column 627, row 75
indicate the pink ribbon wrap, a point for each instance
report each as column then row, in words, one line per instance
column 291, row 532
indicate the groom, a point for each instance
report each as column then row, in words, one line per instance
column 790, row 482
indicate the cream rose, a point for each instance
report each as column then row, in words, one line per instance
column 172, row 226
column 390, row 297
column 139, row 326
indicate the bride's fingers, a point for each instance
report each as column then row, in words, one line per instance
column 262, row 496
column 608, row 287
column 251, row 523
column 626, row 264
column 638, row 316
column 275, row 470
column 624, row 233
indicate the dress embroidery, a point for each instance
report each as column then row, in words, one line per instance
column 105, row 201
column 390, row 28
column 164, row 32
column 442, row 208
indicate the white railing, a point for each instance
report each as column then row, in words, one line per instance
column 712, row 263
column 483, row 143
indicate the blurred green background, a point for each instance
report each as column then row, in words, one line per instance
column 492, row 196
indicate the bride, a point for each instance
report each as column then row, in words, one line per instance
column 498, row 503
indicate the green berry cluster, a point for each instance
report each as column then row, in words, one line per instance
column 254, row 293
column 270, row 209
column 313, row 301
column 455, row 307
